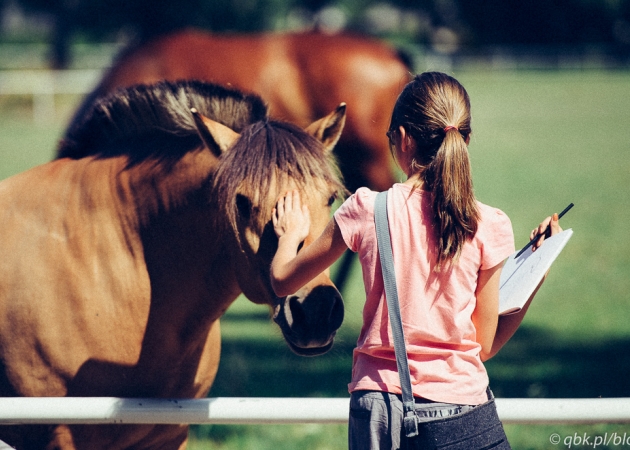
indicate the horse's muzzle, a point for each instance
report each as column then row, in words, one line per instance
column 309, row 323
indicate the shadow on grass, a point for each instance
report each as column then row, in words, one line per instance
column 268, row 368
column 535, row 363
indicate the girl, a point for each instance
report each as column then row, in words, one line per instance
column 448, row 252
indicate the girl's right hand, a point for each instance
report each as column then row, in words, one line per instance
column 291, row 219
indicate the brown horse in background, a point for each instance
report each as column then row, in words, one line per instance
column 301, row 76
column 118, row 260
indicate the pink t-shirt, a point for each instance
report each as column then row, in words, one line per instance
column 436, row 307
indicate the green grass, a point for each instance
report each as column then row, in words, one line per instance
column 24, row 144
column 269, row 437
column 541, row 140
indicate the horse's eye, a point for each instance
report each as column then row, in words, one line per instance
column 244, row 206
column 300, row 246
column 332, row 199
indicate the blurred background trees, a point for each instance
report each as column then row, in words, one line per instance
column 448, row 26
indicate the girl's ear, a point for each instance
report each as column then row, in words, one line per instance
column 406, row 144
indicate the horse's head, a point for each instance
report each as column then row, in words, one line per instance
column 266, row 160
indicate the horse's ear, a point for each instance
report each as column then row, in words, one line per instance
column 328, row 129
column 217, row 137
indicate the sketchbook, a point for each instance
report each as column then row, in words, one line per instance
column 520, row 276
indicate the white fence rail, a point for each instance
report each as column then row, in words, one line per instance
column 43, row 85
column 223, row 410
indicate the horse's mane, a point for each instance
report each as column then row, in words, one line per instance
column 260, row 163
column 155, row 120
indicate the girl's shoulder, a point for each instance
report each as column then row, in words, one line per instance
column 364, row 195
column 355, row 217
column 362, row 199
column 358, row 205
column 494, row 235
column 493, row 220
column 398, row 198
column 491, row 214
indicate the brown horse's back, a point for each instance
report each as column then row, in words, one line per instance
column 301, row 76
column 368, row 75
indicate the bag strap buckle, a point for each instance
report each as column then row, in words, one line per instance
column 410, row 421
column 411, row 425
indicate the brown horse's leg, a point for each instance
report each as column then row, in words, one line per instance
column 61, row 439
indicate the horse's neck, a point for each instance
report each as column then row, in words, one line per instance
column 180, row 232
column 191, row 276
column 166, row 210
column 157, row 188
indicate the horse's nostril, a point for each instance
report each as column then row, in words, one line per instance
column 298, row 314
column 310, row 323
column 321, row 311
column 336, row 313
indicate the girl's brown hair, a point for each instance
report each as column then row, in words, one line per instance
column 434, row 110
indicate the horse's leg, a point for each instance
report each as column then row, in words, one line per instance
column 61, row 439
column 175, row 442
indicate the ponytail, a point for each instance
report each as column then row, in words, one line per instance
column 449, row 179
column 434, row 109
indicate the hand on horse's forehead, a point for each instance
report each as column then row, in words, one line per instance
column 291, row 218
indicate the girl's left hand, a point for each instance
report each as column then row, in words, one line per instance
column 291, row 219
column 547, row 228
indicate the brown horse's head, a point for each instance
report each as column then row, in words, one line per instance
column 152, row 126
column 266, row 160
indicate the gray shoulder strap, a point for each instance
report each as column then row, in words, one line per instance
column 391, row 294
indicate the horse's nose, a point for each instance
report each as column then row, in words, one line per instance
column 315, row 318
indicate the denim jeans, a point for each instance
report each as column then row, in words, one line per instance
column 376, row 424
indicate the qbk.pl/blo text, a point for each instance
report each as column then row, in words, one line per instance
column 587, row 440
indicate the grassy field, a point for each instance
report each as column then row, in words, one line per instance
column 541, row 140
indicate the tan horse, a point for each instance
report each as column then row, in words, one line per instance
column 301, row 76
column 117, row 263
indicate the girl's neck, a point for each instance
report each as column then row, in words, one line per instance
column 414, row 180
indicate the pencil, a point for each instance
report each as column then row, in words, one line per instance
column 564, row 211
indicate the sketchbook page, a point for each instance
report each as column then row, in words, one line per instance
column 521, row 275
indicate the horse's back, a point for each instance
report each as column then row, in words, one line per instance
column 342, row 66
column 321, row 68
column 301, row 76
column 366, row 74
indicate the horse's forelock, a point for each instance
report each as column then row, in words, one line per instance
column 268, row 157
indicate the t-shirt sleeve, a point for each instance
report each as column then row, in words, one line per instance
column 497, row 237
column 353, row 216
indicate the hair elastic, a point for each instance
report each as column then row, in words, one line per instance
column 450, row 127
